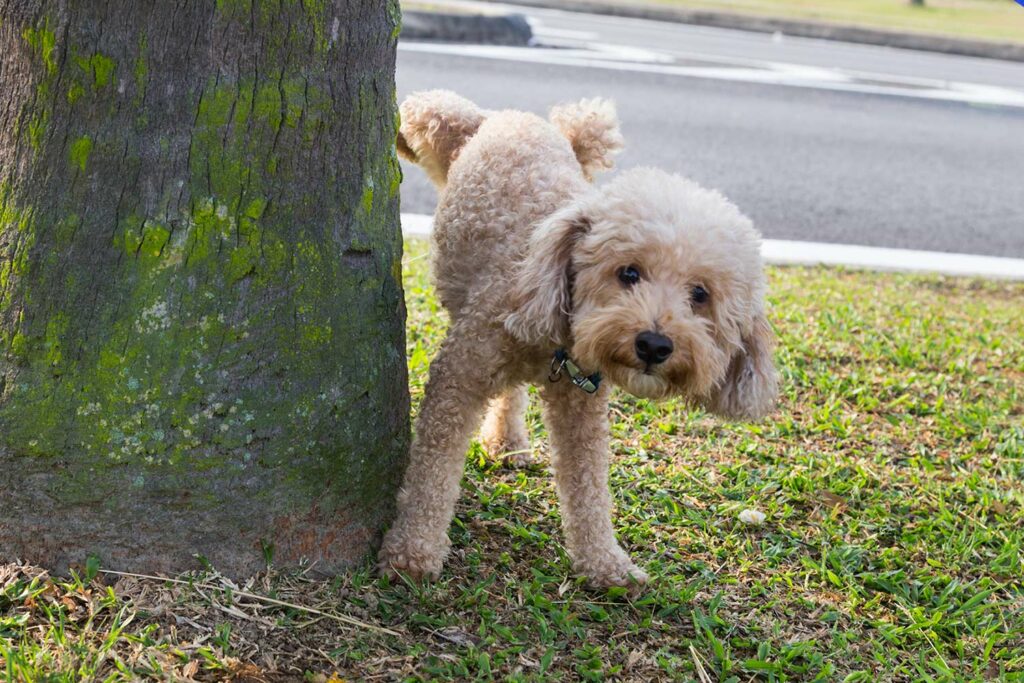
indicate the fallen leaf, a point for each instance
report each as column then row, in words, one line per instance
column 753, row 517
column 830, row 499
column 456, row 635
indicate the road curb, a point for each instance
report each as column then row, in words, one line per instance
column 803, row 29
column 487, row 29
column 787, row 252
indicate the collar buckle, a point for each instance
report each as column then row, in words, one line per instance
column 561, row 361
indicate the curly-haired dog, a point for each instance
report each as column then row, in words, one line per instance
column 651, row 282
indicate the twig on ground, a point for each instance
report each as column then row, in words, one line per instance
column 704, row 678
column 351, row 621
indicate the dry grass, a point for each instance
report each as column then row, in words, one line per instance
column 1000, row 20
column 892, row 480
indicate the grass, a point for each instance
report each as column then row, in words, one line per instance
column 892, row 479
column 999, row 20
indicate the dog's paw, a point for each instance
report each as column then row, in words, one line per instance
column 512, row 452
column 520, row 459
column 613, row 571
column 415, row 558
column 631, row 578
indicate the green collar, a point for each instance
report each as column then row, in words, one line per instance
column 561, row 361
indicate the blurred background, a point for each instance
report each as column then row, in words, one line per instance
column 889, row 123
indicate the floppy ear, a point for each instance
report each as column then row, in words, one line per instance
column 541, row 296
column 751, row 383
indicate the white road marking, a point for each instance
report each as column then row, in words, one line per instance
column 786, row 252
column 542, row 31
column 622, row 58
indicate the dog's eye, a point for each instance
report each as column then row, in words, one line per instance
column 699, row 295
column 629, row 275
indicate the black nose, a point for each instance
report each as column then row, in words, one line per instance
column 653, row 348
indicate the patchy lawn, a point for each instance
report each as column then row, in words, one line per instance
column 999, row 20
column 892, row 480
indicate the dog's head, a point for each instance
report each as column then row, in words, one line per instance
column 659, row 284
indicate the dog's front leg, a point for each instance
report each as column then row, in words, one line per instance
column 453, row 402
column 578, row 425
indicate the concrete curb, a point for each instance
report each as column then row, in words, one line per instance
column 804, row 29
column 486, row 29
column 787, row 252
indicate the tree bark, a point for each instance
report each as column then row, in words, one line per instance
column 201, row 315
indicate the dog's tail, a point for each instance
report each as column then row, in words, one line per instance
column 592, row 127
column 435, row 126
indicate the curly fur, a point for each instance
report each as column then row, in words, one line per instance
column 592, row 129
column 527, row 255
column 435, row 125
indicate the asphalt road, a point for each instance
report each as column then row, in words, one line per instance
column 806, row 162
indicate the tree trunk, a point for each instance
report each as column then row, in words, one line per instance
column 201, row 316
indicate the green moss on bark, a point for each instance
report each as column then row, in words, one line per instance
column 42, row 39
column 80, row 150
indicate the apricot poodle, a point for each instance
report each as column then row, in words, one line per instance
column 649, row 282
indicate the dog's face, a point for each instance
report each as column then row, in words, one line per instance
column 658, row 284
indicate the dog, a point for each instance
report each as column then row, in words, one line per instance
column 649, row 282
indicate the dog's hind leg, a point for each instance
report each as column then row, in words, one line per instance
column 504, row 434
column 578, row 424
column 453, row 402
